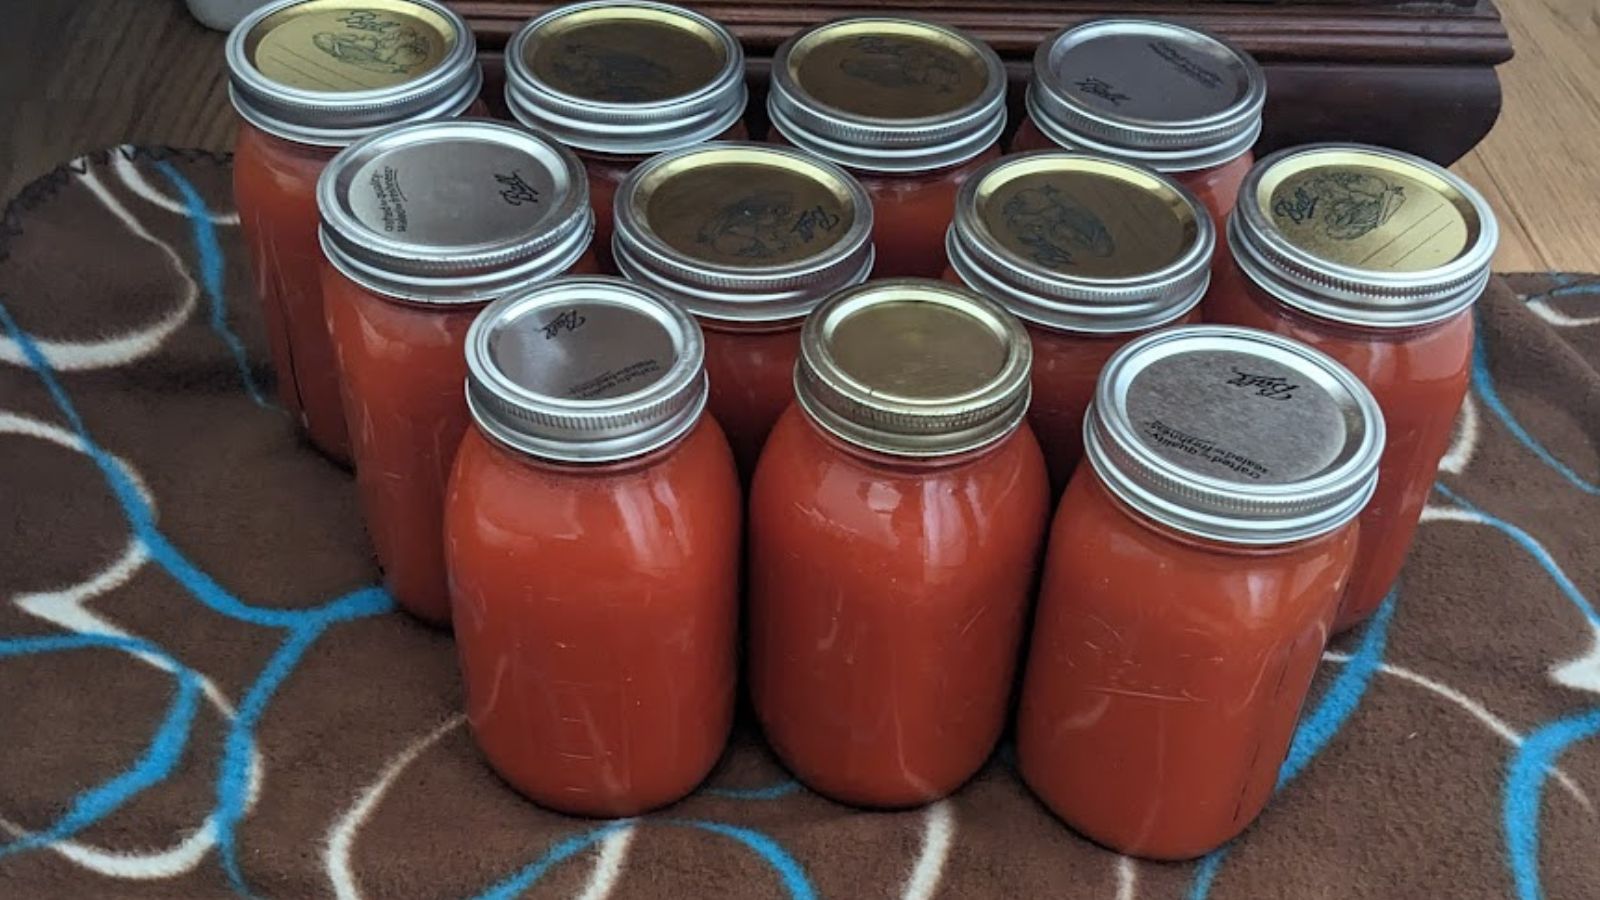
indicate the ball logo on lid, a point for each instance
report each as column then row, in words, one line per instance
column 350, row 49
column 376, row 42
column 1055, row 228
column 1272, row 387
column 1099, row 87
column 762, row 225
column 515, row 190
column 1344, row 204
column 1367, row 217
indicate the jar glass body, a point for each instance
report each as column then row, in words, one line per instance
column 751, row 370
column 887, row 602
column 1066, row 368
column 606, row 174
column 1419, row 377
column 1216, row 186
column 275, row 188
column 595, row 612
column 402, row 368
column 1166, row 673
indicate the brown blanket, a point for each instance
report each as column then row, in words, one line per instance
column 203, row 693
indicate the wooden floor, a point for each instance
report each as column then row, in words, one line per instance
column 1540, row 167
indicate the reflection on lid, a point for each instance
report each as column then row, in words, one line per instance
column 461, row 191
column 1237, row 416
column 917, row 350
column 1085, row 218
column 327, row 47
column 748, row 214
column 1368, row 217
column 1151, row 71
column 889, row 70
column 624, row 54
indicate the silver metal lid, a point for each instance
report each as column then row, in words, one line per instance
column 1363, row 235
column 912, row 367
column 325, row 73
column 1169, row 97
column 461, row 210
column 743, row 232
column 1234, row 435
column 888, row 94
column 626, row 77
column 585, row 370
column 1081, row 243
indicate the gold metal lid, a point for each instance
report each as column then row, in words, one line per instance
column 743, row 232
column 888, row 94
column 628, row 77
column 1082, row 243
column 1172, row 98
column 911, row 367
column 1363, row 235
column 322, row 72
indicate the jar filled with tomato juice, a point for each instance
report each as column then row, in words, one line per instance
column 1090, row 253
column 1374, row 257
column 910, row 107
column 423, row 226
column 592, row 532
column 1177, row 100
column 749, row 238
column 622, row 80
column 310, row 77
column 1192, row 576
column 895, row 524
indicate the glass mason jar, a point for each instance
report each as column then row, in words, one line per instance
column 592, row 533
column 422, row 226
column 749, row 238
column 895, row 525
column 909, row 107
column 1192, row 576
column 1180, row 101
column 622, row 80
column 310, row 77
column 1090, row 253
column 1374, row 257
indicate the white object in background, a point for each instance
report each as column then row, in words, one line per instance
column 223, row 14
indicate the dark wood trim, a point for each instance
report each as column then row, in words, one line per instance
column 1433, row 32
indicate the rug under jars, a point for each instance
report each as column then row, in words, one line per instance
column 204, row 692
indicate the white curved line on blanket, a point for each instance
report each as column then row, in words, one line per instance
column 65, row 608
column 938, row 832
column 1580, row 673
column 1477, row 710
column 1556, row 317
column 342, row 836
column 106, row 352
column 136, row 182
column 1465, row 441
column 1127, row 879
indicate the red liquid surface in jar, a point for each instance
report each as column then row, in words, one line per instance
column 275, row 188
column 1419, row 377
column 752, row 383
column 595, row 612
column 1066, row 368
column 1217, row 187
column 886, row 608
column 606, row 174
column 1166, row 674
column 402, row 367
